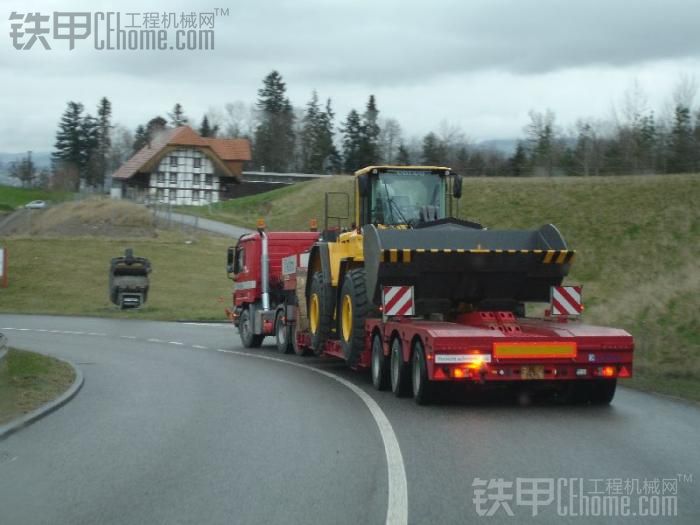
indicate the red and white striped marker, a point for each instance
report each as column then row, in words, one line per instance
column 566, row 300
column 398, row 300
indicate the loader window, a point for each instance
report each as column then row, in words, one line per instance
column 397, row 198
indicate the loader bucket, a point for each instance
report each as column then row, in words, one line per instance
column 460, row 262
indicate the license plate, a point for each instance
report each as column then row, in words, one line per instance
column 532, row 372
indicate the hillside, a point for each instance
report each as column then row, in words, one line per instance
column 638, row 243
column 59, row 260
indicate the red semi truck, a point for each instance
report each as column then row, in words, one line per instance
column 421, row 316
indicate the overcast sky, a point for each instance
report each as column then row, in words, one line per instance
column 479, row 64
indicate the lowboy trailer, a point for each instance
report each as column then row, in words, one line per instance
column 422, row 299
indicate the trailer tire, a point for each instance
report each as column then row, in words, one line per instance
column 352, row 310
column 245, row 329
column 320, row 309
column 400, row 370
column 380, row 364
column 282, row 334
column 603, row 391
column 422, row 388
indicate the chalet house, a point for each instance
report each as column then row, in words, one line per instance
column 182, row 168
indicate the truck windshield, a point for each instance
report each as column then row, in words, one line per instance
column 397, row 198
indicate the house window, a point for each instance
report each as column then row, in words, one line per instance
column 160, row 177
column 195, row 195
column 173, row 178
column 208, row 180
column 196, row 178
column 172, row 194
column 159, row 194
column 197, row 163
column 173, row 161
column 207, row 196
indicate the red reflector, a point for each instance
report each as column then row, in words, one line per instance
column 623, row 372
column 439, row 374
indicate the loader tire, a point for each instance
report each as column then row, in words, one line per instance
column 245, row 329
column 320, row 313
column 353, row 309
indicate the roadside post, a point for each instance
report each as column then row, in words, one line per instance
column 3, row 267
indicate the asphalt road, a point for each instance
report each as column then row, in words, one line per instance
column 175, row 424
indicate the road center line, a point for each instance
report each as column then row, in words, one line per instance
column 397, row 504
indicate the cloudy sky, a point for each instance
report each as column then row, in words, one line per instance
column 477, row 64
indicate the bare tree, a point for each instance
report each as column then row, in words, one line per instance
column 390, row 138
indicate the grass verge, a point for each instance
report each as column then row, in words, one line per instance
column 69, row 276
column 29, row 380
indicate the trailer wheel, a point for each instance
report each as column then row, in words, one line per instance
column 282, row 334
column 380, row 364
column 353, row 312
column 603, row 391
column 245, row 329
column 422, row 388
column 320, row 307
column 400, row 373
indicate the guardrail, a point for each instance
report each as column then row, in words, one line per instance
column 3, row 346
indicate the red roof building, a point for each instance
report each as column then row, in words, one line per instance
column 180, row 167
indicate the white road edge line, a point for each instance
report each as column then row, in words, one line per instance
column 175, row 343
column 397, row 504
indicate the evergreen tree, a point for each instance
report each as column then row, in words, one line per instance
column 352, row 142
column 403, row 158
column 434, row 151
column 69, row 141
column 155, row 126
column 318, row 152
column 681, row 144
column 104, row 140
column 90, row 157
column 369, row 142
column 207, row 130
column 274, row 136
column 177, row 116
column 140, row 138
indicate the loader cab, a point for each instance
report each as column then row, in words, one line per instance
column 396, row 196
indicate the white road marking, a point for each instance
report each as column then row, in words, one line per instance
column 152, row 340
column 99, row 334
column 41, row 330
column 397, row 505
column 207, row 324
column 200, row 347
column 127, row 336
column 175, row 343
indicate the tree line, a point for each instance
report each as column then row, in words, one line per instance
column 285, row 138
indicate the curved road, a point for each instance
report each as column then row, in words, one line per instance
column 175, row 424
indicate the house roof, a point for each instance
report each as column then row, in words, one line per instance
column 225, row 151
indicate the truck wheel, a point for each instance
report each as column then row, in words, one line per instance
column 422, row 388
column 603, row 391
column 245, row 329
column 380, row 364
column 282, row 334
column 353, row 312
column 400, row 373
column 320, row 307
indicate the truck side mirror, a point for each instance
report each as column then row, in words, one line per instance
column 230, row 260
column 457, row 186
column 363, row 185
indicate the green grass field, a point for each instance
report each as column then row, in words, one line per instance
column 28, row 380
column 12, row 198
column 637, row 238
column 70, row 275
